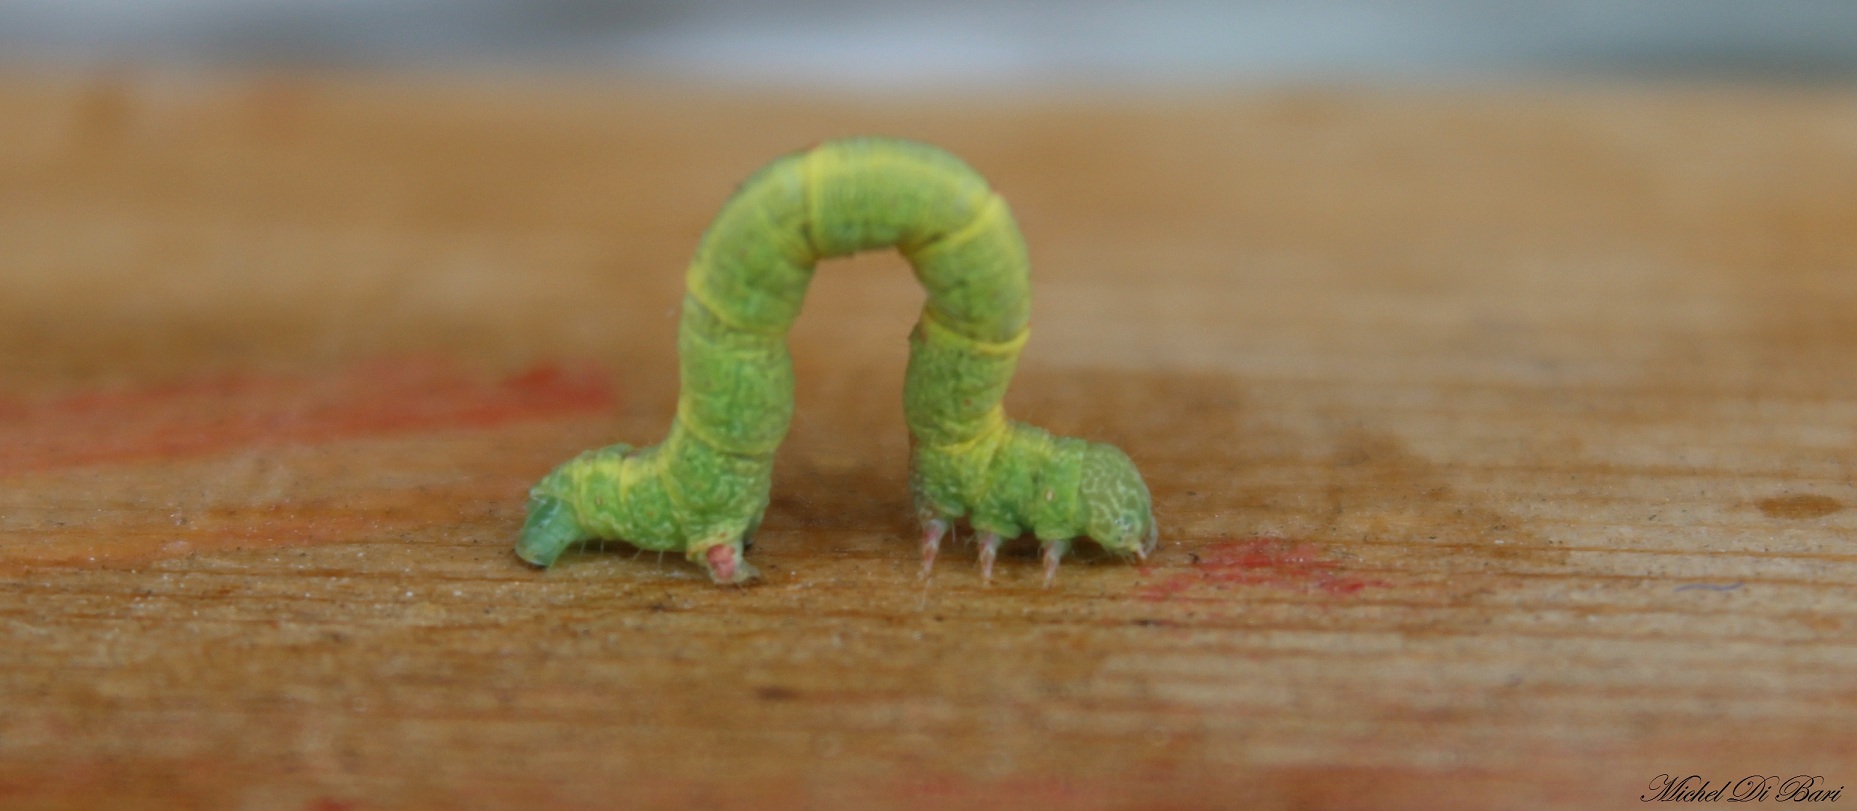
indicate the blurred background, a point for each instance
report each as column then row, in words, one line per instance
column 892, row 43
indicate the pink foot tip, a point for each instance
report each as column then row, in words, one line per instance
column 726, row 565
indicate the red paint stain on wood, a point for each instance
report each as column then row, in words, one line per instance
column 231, row 412
column 1262, row 562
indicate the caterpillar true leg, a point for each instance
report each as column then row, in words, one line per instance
column 989, row 550
column 702, row 491
column 1053, row 551
column 932, row 532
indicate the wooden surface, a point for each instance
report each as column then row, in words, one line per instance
column 1502, row 445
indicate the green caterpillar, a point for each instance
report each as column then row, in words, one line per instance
column 702, row 491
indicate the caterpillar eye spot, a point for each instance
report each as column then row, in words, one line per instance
column 1050, row 495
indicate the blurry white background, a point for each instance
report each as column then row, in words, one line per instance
column 888, row 43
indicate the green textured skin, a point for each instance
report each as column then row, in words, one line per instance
column 702, row 491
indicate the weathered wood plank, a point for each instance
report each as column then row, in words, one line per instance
column 1503, row 447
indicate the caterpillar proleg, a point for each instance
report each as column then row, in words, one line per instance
column 702, row 491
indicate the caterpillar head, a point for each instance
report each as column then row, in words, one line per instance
column 549, row 530
column 1118, row 515
column 553, row 523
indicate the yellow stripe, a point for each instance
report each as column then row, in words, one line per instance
column 809, row 172
column 942, row 334
column 660, row 465
column 991, row 210
column 691, row 424
column 992, row 425
column 696, row 290
column 999, row 431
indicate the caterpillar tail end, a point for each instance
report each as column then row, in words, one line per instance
column 549, row 530
column 1120, row 511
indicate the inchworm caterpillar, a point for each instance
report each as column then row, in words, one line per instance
column 702, row 491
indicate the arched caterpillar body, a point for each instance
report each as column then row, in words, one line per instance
column 702, row 491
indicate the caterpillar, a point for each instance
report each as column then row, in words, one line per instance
column 703, row 489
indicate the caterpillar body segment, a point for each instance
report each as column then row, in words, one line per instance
column 702, row 490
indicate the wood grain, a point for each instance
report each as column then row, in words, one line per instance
column 1502, row 446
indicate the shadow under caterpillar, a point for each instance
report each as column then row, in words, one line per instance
column 702, row 491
